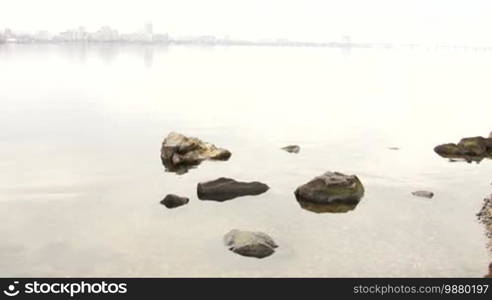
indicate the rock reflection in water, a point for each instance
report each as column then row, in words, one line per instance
column 328, row 208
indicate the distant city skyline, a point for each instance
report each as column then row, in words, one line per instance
column 146, row 34
column 418, row 21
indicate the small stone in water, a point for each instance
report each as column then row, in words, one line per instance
column 292, row 148
column 425, row 194
column 172, row 201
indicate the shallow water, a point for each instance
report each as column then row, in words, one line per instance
column 82, row 178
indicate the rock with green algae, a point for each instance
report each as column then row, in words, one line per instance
column 449, row 150
column 469, row 149
column 473, row 146
column 330, row 192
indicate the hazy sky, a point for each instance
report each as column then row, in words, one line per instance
column 448, row 21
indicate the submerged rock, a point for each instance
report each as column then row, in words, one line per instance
column 223, row 189
column 172, row 201
column 424, row 194
column 292, row 148
column 394, row 148
column 179, row 153
column 468, row 149
column 330, row 192
column 249, row 243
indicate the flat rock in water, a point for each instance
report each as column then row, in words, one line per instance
column 424, row 194
column 292, row 148
column 179, row 153
column 249, row 243
column 223, row 189
column 172, row 201
column 393, row 148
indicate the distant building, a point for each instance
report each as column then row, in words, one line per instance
column 346, row 39
column 8, row 33
column 42, row 36
column 206, row 39
column 161, row 38
column 149, row 28
column 105, row 34
column 148, row 33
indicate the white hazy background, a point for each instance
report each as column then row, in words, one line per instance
column 418, row 21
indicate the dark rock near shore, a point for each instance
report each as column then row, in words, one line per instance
column 468, row 149
column 172, row 201
column 448, row 150
column 485, row 217
column 330, row 192
column 292, row 149
column 223, row 189
column 424, row 194
column 473, row 146
column 490, row 272
column 251, row 244
column 180, row 153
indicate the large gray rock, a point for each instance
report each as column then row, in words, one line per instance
column 330, row 192
column 172, row 201
column 251, row 244
column 179, row 153
column 223, row 189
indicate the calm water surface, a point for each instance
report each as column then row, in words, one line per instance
column 81, row 177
